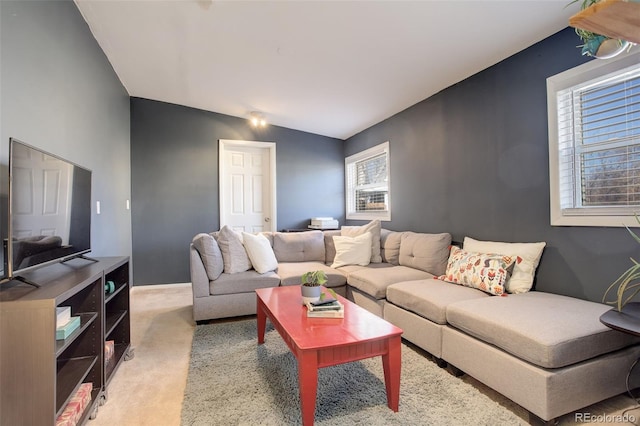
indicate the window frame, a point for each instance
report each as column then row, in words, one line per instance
column 584, row 216
column 349, row 167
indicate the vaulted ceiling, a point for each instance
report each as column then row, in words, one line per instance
column 328, row 67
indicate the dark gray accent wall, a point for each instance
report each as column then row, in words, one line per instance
column 473, row 161
column 174, row 157
column 60, row 94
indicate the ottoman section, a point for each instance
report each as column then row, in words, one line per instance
column 373, row 281
column 429, row 298
column 419, row 308
column 291, row 272
column 545, row 329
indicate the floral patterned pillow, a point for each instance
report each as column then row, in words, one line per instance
column 485, row 271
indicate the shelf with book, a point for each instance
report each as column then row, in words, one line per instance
column 42, row 376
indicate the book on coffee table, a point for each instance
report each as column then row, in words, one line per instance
column 334, row 309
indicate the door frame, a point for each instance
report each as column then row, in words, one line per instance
column 227, row 145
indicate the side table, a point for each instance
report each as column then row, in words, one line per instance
column 626, row 321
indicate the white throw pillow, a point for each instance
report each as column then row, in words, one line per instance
column 374, row 227
column 260, row 252
column 524, row 271
column 352, row 250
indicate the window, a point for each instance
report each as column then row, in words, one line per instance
column 367, row 184
column 594, row 143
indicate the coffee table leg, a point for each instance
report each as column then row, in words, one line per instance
column 262, row 321
column 391, row 362
column 308, row 384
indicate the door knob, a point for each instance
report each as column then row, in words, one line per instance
column 267, row 219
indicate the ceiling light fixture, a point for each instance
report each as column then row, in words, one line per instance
column 257, row 119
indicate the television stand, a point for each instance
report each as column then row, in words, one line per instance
column 81, row 256
column 26, row 281
column 21, row 279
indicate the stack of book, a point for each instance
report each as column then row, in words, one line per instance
column 109, row 350
column 76, row 406
column 325, row 309
column 65, row 323
column 323, row 223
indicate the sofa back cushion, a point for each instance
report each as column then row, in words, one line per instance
column 390, row 246
column 210, row 254
column 299, row 246
column 427, row 252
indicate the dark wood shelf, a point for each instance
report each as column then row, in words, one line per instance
column 71, row 373
column 86, row 319
column 40, row 374
column 112, row 320
column 612, row 18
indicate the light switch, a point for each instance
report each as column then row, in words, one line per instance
column 98, row 207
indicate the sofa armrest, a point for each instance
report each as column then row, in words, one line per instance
column 199, row 279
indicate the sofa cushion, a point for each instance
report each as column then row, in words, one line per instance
column 429, row 298
column 544, row 329
column 299, row 246
column 374, row 227
column 524, row 270
column 352, row 250
column 375, row 278
column 390, row 246
column 210, row 254
column 329, row 246
column 427, row 252
column 290, row 273
column 234, row 255
column 260, row 252
column 485, row 271
column 243, row 282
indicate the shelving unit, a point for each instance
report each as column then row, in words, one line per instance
column 117, row 318
column 616, row 19
column 39, row 374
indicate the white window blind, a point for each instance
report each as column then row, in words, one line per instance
column 599, row 141
column 367, row 184
column 595, row 144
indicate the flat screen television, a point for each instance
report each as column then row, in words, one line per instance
column 49, row 217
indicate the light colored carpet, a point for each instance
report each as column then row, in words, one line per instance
column 233, row 380
column 148, row 390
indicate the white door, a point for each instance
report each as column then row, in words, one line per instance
column 247, row 185
column 41, row 195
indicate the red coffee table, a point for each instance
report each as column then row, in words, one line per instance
column 321, row 342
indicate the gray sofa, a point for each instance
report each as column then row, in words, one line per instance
column 546, row 352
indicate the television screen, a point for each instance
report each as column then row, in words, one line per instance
column 49, row 209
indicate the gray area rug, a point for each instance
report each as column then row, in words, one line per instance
column 234, row 381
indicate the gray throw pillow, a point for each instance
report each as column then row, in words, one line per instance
column 210, row 254
column 234, row 255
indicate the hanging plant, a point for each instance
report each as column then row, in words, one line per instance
column 596, row 45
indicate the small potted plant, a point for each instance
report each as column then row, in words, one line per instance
column 311, row 282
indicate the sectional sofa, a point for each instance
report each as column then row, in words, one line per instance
column 548, row 353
